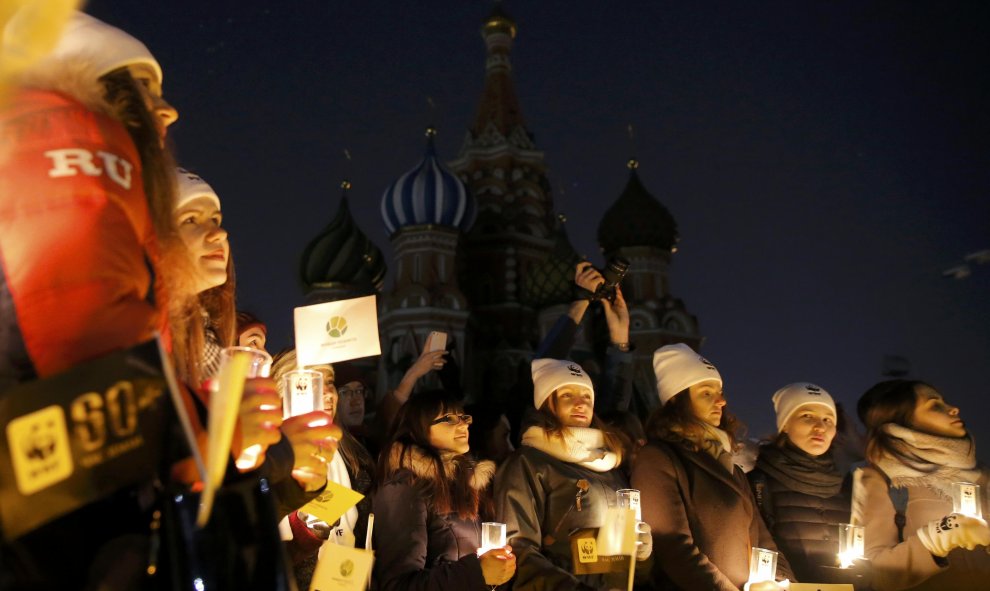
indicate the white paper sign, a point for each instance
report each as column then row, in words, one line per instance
column 337, row 331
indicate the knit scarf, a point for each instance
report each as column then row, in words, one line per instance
column 929, row 460
column 580, row 445
column 713, row 441
column 800, row 472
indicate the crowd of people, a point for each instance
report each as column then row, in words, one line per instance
column 105, row 243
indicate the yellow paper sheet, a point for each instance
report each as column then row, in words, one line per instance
column 332, row 502
column 225, row 406
column 342, row 568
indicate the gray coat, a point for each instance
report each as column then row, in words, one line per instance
column 536, row 497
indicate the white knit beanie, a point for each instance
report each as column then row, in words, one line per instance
column 678, row 367
column 550, row 374
column 191, row 186
column 106, row 47
column 791, row 397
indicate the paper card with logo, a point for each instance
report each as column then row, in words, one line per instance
column 333, row 502
column 607, row 549
column 341, row 568
column 337, row 331
column 76, row 437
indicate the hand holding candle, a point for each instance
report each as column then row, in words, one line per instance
column 313, row 437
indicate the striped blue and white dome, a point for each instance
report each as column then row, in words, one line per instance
column 427, row 194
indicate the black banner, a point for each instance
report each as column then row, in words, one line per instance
column 74, row 438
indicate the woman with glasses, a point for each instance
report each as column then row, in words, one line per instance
column 431, row 501
column 562, row 478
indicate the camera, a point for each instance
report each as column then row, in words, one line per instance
column 614, row 271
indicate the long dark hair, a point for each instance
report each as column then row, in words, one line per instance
column 890, row 401
column 409, row 437
column 675, row 422
column 174, row 291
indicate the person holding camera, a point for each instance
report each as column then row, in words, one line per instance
column 592, row 285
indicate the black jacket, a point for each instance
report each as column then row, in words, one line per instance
column 803, row 524
column 418, row 550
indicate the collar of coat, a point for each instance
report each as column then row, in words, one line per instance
column 76, row 78
column 423, row 465
column 707, row 463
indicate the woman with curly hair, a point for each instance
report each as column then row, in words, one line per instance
column 697, row 502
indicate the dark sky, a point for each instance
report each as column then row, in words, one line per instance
column 825, row 161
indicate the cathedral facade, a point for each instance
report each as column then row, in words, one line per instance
column 481, row 254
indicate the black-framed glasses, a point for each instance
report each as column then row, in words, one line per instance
column 453, row 419
column 348, row 392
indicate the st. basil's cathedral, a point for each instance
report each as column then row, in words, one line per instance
column 481, row 254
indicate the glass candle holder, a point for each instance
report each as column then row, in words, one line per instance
column 492, row 536
column 762, row 565
column 302, row 392
column 967, row 499
column 261, row 362
column 852, row 544
column 628, row 498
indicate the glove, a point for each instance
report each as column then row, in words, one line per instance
column 644, row 540
column 954, row 531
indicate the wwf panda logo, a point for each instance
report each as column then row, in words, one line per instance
column 706, row 363
column 575, row 370
column 813, row 390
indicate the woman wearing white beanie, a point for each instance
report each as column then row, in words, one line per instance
column 798, row 488
column 86, row 239
column 561, row 479
column 697, row 502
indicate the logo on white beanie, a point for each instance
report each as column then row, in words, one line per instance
column 791, row 397
column 191, row 186
column 551, row 374
column 678, row 367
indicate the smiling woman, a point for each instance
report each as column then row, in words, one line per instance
column 562, row 479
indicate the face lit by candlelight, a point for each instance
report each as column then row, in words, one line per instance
column 573, row 405
column 811, row 428
column 707, row 401
column 448, row 437
column 330, row 397
column 932, row 414
column 198, row 222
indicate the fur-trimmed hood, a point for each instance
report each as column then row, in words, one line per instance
column 420, row 463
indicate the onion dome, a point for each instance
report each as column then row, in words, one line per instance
column 429, row 194
column 552, row 280
column 342, row 254
column 637, row 219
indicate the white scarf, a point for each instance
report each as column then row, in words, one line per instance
column 580, row 445
column 953, row 460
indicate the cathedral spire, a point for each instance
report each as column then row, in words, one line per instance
column 499, row 108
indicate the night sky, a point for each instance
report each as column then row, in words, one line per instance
column 825, row 161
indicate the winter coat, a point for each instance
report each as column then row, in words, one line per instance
column 417, row 549
column 75, row 240
column 75, row 231
column 908, row 564
column 704, row 519
column 802, row 524
column 536, row 497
